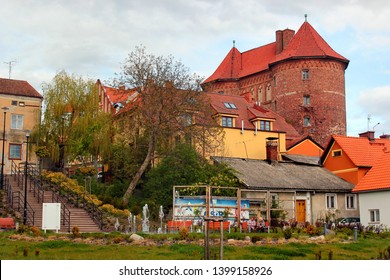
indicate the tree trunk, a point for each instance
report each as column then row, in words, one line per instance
column 140, row 171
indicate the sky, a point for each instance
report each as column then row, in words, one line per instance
column 92, row 38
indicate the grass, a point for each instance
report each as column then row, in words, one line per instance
column 117, row 247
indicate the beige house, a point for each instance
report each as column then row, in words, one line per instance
column 20, row 107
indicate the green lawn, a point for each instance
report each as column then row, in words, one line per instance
column 117, row 247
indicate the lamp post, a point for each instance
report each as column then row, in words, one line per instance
column 25, row 182
column 2, row 156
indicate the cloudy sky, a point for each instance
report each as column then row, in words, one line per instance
column 92, row 38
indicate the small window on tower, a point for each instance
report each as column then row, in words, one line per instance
column 305, row 74
column 306, row 100
column 306, row 121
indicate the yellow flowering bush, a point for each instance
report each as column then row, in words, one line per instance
column 71, row 185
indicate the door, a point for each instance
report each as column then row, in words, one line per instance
column 300, row 206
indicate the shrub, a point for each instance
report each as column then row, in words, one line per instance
column 255, row 238
column 183, row 233
column 35, row 231
column 287, row 233
column 76, row 231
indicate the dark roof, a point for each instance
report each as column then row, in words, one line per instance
column 259, row 174
column 311, row 160
column 18, row 88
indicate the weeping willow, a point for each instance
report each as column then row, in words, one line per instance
column 72, row 120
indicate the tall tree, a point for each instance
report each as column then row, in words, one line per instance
column 72, row 120
column 169, row 102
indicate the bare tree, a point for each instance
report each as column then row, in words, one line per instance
column 169, row 105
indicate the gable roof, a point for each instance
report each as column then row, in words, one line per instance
column 18, row 88
column 360, row 150
column 246, row 111
column 306, row 43
column 378, row 178
column 259, row 174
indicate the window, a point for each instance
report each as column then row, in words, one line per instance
column 374, row 216
column 16, row 121
column 22, row 104
column 15, row 151
column 187, row 119
column 305, row 74
column 268, row 94
column 265, row 125
column 14, row 103
column 351, row 201
column 306, row 100
column 227, row 121
column 331, row 201
column 306, row 121
column 336, row 153
column 260, row 94
column 230, row 105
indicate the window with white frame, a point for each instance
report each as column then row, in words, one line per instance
column 15, row 151
column 305, row 74
column 331, row 201
column 16, row 121
column 265, row 125
column 374, row 216
column 351, row 201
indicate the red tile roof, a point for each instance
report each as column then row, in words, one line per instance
column 246, row 111
column 378, row 178
column 18, row 88
column 306, row 43
column 361, row 150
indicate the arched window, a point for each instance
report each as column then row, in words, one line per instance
column 306, row 121
column 268, row 96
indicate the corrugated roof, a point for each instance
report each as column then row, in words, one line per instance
column 18, row 88
column 259, row 174
column 378, row 178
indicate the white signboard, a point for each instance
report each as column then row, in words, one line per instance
column 51, row 216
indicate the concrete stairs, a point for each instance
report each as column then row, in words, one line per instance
column 78, row 216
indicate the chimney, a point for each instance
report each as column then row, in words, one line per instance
column 385, row 136
column 368, row 134
column 272, row 149
column 283, row 38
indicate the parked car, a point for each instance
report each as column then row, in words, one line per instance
column 348, row 221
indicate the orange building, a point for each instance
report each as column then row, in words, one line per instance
column 305, row 146
column 352, row 157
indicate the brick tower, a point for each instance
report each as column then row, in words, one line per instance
column 299, row 76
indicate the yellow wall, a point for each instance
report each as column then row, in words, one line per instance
column 31, row 117
column 248, row 144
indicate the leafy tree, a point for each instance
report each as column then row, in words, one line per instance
column 72, row 120
column 169, row 101
column 183, row 166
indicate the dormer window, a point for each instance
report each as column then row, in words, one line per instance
column 227, row 121
column 230, row 105
column 265, row 125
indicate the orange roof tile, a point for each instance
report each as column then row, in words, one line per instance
column 246, row 111
column 361, row 150
column 19, row 88
column 378, row 178
column 306, row 43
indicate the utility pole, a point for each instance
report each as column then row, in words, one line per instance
column 10, row 63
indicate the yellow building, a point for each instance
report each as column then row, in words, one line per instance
column 20, row 105
column 249, row 128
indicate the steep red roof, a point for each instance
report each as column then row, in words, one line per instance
column 306, row 43
column 246, row 111
column 19, row 88
column 378, row 178
column 361, row 150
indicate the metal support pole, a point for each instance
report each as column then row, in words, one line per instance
column 25, row 183
column 221, row 243
column 2, row 156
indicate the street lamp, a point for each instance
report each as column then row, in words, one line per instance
column 25, row 182
column 2, row 156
